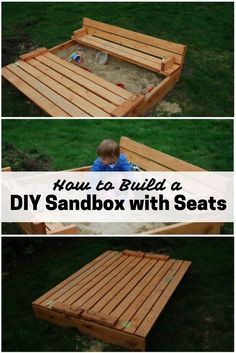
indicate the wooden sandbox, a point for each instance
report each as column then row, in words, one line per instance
column 147, row 159
column 61, row 88
column 116, row 298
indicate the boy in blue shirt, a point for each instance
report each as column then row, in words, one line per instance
column 110, row 159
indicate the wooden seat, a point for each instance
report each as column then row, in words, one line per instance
column 151, row 53
column 150, row 159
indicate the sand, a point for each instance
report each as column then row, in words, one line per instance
column 136, row 79
column 118, row 228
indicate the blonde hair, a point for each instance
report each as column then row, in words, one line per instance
column 108, row 148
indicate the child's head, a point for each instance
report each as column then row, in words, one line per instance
column 108, row 151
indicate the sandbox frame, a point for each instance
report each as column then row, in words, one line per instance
column 148, row 159
column 55, row 85
column 117, row 297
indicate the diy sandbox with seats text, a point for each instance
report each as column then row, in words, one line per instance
column 117, row 197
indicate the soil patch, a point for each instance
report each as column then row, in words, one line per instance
column 89, row 344
column 169, row 108
column 14, row 47
column 135, row 79
column 32, row 160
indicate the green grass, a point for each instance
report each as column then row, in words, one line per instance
column 73, row 143
column 206, row 85
column 199, row 316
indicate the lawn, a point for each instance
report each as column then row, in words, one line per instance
column 199, row 316
column 206, row 85
column 73, row 143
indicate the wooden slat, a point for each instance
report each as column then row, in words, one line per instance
column 188, row 228
column 61, row 46
column 33, row 54
column 119, row 273
column 70, row 288
column 133, row 253
column 53, row 226
column 159, row 43
column 73, row 295
column 119, row 52
column 150, row 255
column 143, row 47
column 106, row 320
column 129, row 105
column 116, row 289
column 146, row 307
column 67, row 309
column 100, row 259
column 71, row 97
column 80, row 169
column 41, row 101
column 6, row 169
column 126, row 317
column 74, row 87
column 90, row 76
column 183, row 57
column 142, row 162
column 157, row 156
column 129, row 285
column 156, row 310
column 59, row 228
column 135, row 292
column 60, row 307
column 57, row 99
column 162, row 89
column 80, row 32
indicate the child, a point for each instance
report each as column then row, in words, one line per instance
column 110, row 159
